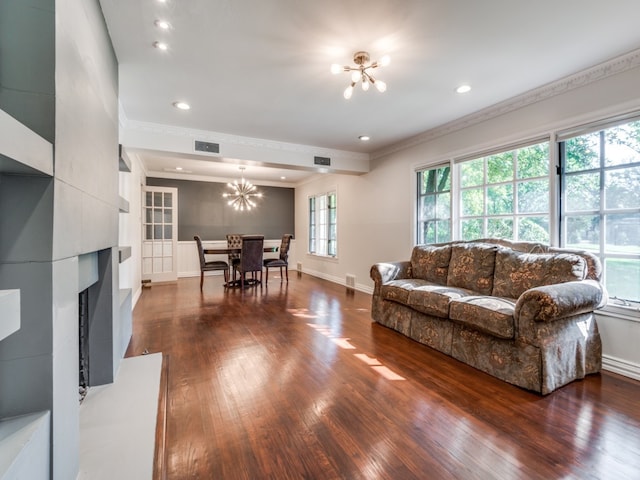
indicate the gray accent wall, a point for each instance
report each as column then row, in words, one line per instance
column 203, row 211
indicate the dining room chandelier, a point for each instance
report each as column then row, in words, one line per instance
column 362, row 73
column 242, row 192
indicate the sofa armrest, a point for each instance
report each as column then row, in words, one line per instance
column 385, row 272
column 553, row 302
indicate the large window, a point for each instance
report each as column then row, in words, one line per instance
column 323, row 234
column 506, row 195
column 434, row 205
column 600, row 203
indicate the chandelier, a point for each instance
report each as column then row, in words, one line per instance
column 241, row 194
column 362, row 73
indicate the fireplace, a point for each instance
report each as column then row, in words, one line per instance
column 98, row 327
column 83, row 343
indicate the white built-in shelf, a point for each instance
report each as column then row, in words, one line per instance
column 24, row 446
column 123, row 204
column 125, row 163
column 22, row 151
column 123, row 253
column 9, row 312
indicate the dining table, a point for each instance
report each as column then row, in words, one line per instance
column 231, row 250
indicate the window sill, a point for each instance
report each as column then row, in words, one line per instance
column 323, row 257
column 630, row 313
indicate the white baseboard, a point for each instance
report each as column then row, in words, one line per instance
column 621, row 367
column 340, row 281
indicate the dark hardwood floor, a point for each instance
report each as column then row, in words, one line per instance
column 295, row 382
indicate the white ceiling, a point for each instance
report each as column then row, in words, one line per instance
column 260, row 68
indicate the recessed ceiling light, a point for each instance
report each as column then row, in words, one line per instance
column 160, row 45
column 283, row 178
column 463, row 89
column 364, row 138
column 179, row 168
column 182, row 105
column 162, row 24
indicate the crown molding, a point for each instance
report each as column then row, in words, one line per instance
column 609, row 68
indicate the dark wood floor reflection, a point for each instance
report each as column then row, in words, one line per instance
column 295, row 382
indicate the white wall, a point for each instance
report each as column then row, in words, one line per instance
column 376, row 211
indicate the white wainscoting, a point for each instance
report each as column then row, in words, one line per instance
column 620, row 339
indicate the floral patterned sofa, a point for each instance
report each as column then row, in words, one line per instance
column 522, row 312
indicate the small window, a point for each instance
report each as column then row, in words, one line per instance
column 323, row 221
column 434, row 205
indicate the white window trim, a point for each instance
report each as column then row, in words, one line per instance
column 331, row 191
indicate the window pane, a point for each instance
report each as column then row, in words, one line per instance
column 472, row 202
column 622, row 278
column 427, row 233
column 444, row 179
column 148, row 199
column 148, row 232
column 622, row 188
column 534, row 229
column 500, row 227
column 157, row 215
column 168, row 200
column 168, row 232
column 582, row 153
column 157, row 232
column 583, row 231
column 500, row 168
column 533, row 197
column 428, row 209
column 168, row 215
column 157, row 199
column 533, row 161
column 472, row 229
column 622, row 232
column 472, row 173
column 443, row 231
column 582, row 192
column 622, row 144
column 500, row 199
column 443, row 205
column 148, row 215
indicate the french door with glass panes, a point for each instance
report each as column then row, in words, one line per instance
column 159, row 234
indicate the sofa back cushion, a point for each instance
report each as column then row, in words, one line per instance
column 431, row 263
column 471, row 267
column 517, row 272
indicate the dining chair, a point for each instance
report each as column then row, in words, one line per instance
column 251, row 258
column 210, row 266
column 234, row 240
column 282, row 261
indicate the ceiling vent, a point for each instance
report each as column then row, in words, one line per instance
column 324, row 161
column 207, row 147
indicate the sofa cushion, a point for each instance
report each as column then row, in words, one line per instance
column 517, row 272
column 398, row 290
column 434, row 299
column 471, row 267
column 431, row 263
column 487, row 314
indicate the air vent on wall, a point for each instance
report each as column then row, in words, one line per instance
column 324, row 161
column 207, row 147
